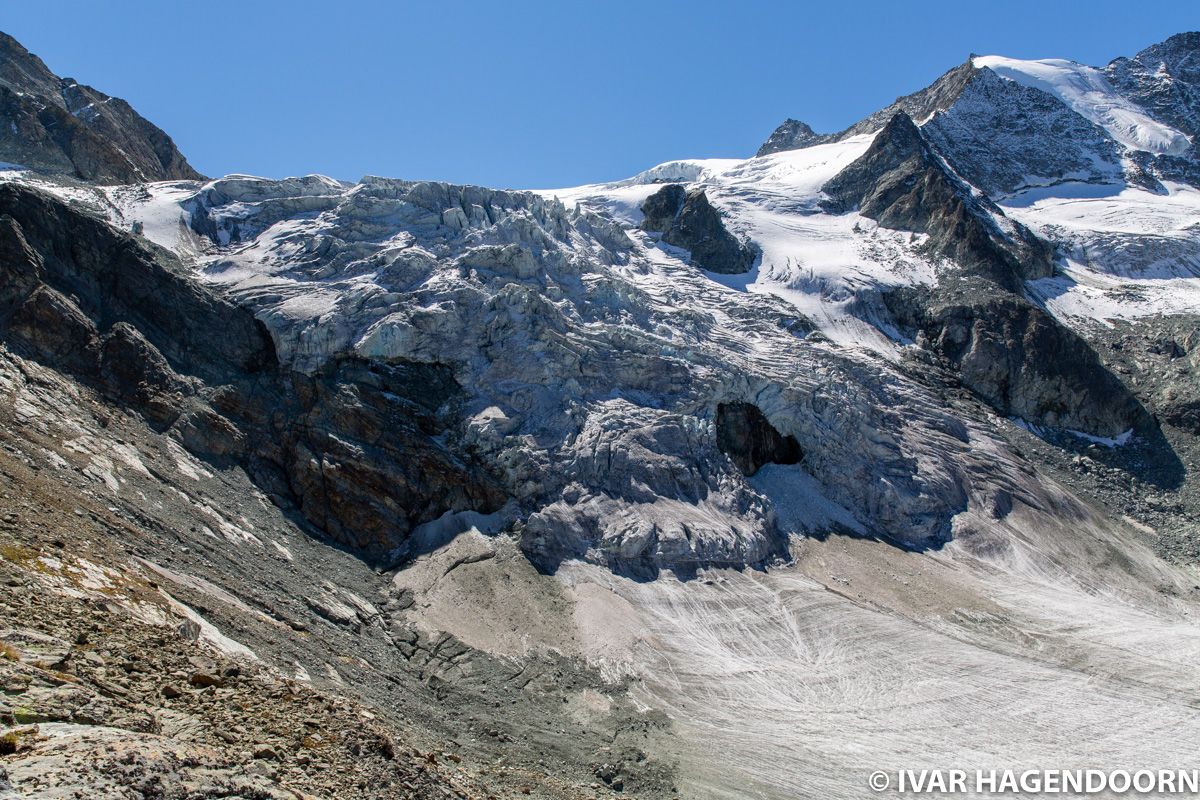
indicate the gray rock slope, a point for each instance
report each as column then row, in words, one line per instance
column 59, row 126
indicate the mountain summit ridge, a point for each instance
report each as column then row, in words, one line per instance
column 60, row 126
column 1055, row 112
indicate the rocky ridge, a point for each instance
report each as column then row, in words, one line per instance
column 64, row 128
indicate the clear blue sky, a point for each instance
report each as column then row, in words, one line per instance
column 534, row 94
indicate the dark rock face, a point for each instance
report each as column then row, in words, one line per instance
column 1011, row 353
column 357, row 448
column 903, row 184
column 1018, row 358
column 791, row 135
column 56, row 125
column 688, row 220
column 115, row 278
column 750, row 440
column 662, row 208
column 1002, row 136
column 939, row 95
column 1164, row 79
column 360, row 454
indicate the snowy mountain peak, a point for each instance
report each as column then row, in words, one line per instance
column 791, row 135
column 1011, row 124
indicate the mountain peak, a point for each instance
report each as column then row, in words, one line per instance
column 1134, row 122
column 791, row 135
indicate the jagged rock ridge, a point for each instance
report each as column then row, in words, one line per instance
column 791, row 135
column 59, row 126
column 902, row 183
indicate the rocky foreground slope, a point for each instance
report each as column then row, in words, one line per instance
column 703, row 483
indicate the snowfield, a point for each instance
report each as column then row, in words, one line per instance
column 1129, row 253
column 828, row 267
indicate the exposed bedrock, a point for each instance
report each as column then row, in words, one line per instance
column 357, row 446
column 687, row 219
column 922, row 104
column 117, row 278
column 1018, row 358
column 361, row 446
column 59, row 126
column 791, row 135
column 902, row 183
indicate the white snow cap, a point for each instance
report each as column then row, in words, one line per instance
column 1086, row 91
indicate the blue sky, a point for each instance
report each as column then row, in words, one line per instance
column 534, row 94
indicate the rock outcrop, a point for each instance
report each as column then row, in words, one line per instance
column 791, row 135
column 687, row 219
column 1018, row 358
column 354, row 446
column 56, row 125
column 901, row 182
